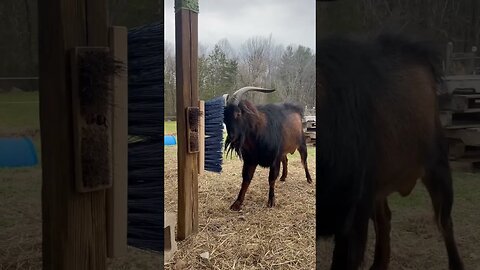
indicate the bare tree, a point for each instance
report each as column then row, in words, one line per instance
column 295, row 80
column 225, row 46
column 259, row 62
column 254, row 58
column 446, row 20
column 169, row 79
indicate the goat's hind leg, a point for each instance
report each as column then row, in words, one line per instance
column 303, row 155
column 438, row 181
column 381, row 220
column 272, row 177
column 349, row 249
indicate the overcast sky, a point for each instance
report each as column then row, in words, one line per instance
column 288, row 21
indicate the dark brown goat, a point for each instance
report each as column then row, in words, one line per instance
column 263, row 135
column 378, row 132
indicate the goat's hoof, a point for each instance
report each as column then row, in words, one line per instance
column 376, row 266
column 236, row 206
column 309, row 180
column 271, row 203
column 282, row 179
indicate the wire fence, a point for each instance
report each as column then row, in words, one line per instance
column 18, row 83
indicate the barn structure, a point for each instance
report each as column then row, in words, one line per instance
column 199, row 123
column 460, row 108
column 74, row 212
column 85, row 142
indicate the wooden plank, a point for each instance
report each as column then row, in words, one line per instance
column 170, row 245
column 456, row 149
column 462, row 125
column 445, row 118
column 472, row 153
column 73, row 224
column 187, row 95
column 465, row 110
column 97, row 23
column 469, row 136
column 470, row 166
column 117, row 196
column 193, row 19
column 201, row 139
column 456, row 78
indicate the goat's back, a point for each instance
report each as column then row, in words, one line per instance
column 377, row 117
column 282, row 132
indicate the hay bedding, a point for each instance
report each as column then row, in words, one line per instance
column 415, row 240
column 417, row 247
column 257, row 237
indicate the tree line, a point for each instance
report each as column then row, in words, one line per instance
column 254, row 63
column 259, row 61
column 19, row 30
column 457, row 21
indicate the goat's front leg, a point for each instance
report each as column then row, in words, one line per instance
column 350, row 245
column 247, row 175
column 381, row 221
column 272, row 177
column 285, row 170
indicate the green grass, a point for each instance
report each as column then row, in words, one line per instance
column 20, row 188
column 19, row 115
column 20, row 193
column 467, row 186
column 170, row 128
column 19, row 110
column 20, row 207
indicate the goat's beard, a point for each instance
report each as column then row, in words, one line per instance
column 234, row 146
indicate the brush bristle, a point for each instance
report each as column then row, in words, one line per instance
column 193, row 118
column 193, row 121
column 96, row 69
column 193, row 142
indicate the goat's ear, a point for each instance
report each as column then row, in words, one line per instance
column 247, row 108
column 249, row 112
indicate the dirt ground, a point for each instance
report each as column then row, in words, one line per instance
column 21, row 224
column 415, row 241
column 258, row 237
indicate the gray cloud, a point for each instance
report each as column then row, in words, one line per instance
column 288, row 21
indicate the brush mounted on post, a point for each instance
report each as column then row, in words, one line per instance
column 193, row 121
column 92, row 70
column 186, row 54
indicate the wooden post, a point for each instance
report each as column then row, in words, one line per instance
column 201, row 138
column 74, row 227
column 117, row 196
column 186, row 45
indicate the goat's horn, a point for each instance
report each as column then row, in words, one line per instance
column 226, row 98
column 235, row 97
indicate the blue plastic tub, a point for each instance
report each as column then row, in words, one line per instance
column 169, row 140
column 17, row 152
